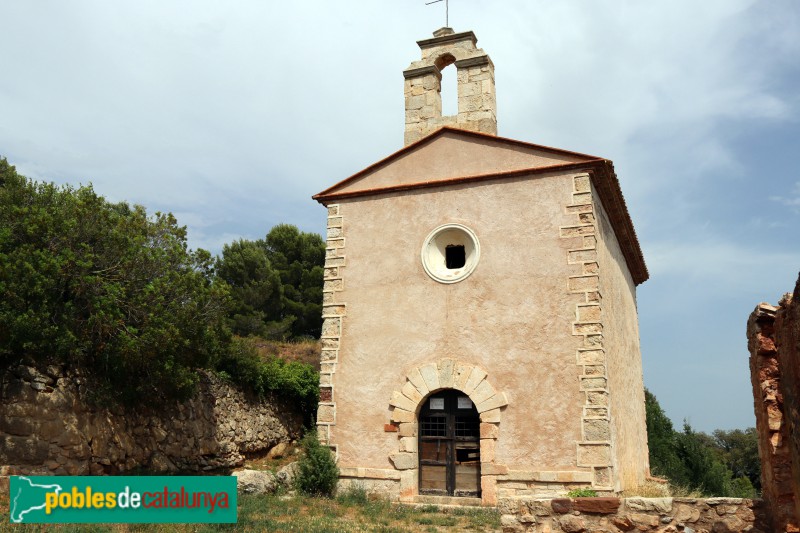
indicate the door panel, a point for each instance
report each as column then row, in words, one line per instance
column 468, row 480
column 449, row 445
column 433, row 478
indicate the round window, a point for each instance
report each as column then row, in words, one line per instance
column 450, row 253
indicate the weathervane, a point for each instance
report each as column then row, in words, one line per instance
column 446, row 10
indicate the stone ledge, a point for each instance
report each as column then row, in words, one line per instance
column 422, row 71
column 548, row 476
column 477, row 61
column 448, row 38
column 585, row 505
column 369, row 473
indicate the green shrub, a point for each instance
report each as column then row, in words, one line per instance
column 318, row 473
column 293, row 380
column 582, row 493
column 741, row 487
column 107, row 287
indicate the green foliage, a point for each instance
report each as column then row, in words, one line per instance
column 317, row 470
column 104, row 285
column 721, row 465
column 355, row 494
column 276, row 283
column 701, row 469
column 582, row 493
column 256, row 289
column 664, row 460
column 738, row 450
column 741, row 487
column 288, row 379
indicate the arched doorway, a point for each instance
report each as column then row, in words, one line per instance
column 449, row 445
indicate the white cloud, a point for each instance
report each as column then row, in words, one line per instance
column 233, row 115
column 792, row 199
column 720, row 262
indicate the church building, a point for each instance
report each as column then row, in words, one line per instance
column 481, row 337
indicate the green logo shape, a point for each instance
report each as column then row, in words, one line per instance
column 122, row 499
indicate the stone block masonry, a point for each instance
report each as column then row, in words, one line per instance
column 595, row 449
column 420, row 382
column 47, row 427
column 477, row 101
column 773, row 335
column 614, row 515
column 333, row 313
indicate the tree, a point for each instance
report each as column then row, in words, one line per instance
column 256, row 290
column 299, row 258
column 698, row 461
column 704, row 471
column 738, row 449
column 664, row 460
column 276, row 283
column 103, row 285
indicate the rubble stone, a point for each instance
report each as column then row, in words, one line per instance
column 54, row 430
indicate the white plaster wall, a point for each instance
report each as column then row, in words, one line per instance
column 623, row 356
column 512, row 317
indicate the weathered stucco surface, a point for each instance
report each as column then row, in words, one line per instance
column 531, row 317
column 451, row 155
column 623, row 357
column 508, row 317
column 47, row 427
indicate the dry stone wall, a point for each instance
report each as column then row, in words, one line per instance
column 47, row 427
column 773, row 335
column 615, row 515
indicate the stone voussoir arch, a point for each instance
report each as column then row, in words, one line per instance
column 445, row 374
column 423, row 380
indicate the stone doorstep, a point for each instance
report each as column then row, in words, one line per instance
column 454, row 502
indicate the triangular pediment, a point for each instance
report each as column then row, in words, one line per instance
column 450, row 154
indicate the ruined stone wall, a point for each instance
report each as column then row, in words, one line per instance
column 47, row 427
column 774, row 343
column 662, row 515
column 787, row 340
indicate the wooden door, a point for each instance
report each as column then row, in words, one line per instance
column 449, row 445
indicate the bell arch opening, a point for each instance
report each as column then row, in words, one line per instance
column 448, row 85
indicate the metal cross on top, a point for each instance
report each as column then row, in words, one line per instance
column 446, row 10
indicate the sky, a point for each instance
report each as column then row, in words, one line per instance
column 232, row 114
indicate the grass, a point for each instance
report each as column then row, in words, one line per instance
column 305, row 351
column 353, row 511
column 656, row 489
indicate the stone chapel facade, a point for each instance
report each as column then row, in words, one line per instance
column 480, row 336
